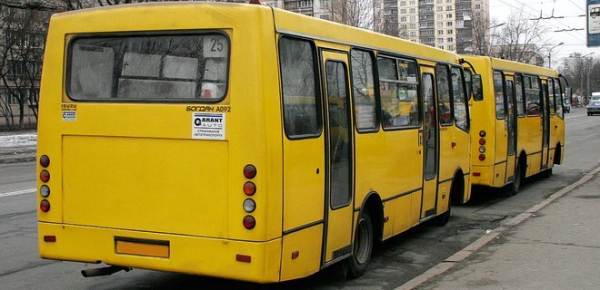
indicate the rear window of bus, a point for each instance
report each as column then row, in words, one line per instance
column 148, row 68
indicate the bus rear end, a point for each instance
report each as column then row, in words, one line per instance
column 152, row 145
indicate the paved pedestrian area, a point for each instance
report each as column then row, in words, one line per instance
column 556, row 248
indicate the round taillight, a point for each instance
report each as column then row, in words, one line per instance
column 44, row 161
column 45, row 191
column 249, row 171
column 482, row 133
column 45, row 176
column 481, row 157
column 45, row 205
column 249, row 205
column 481, row 149
column 249, row 188
column 481, row 141
column 249, row 222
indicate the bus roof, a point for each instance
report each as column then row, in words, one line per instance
column 305, row 26
column 514, row 66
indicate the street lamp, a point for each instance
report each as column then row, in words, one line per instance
column 587, row 90
column 550, row 53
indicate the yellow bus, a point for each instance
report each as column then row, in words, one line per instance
column 518, row 122
column 241, row 141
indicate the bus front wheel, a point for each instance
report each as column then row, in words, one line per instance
column 363, row 246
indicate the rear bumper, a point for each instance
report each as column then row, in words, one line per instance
column 186, row 254
column 483, row 175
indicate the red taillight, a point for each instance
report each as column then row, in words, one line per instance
column 45, row 205
column 249, row 171
column 243, row 258
column 249, row 188
column 50, row 239
column 44, row 161
column 249, row 222
column 45, row 176
column 481, row 157
column 481, row 141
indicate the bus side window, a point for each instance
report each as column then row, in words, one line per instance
column 499, row 94
column 532, row 96
column 519, row 95
column 298, row 78
column 558, row 100
column 398, row 93
column 551, row 95
column 363, row 87
column 443, row 93
column 459, row 99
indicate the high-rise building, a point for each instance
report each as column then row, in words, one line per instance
column 445, row 24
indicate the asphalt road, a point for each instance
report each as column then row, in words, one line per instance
column 395, row 262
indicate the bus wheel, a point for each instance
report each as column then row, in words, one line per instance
column 516, row 185
column 547, row 173
column 363, row 246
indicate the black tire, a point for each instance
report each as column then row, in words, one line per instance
column 547, row 173
column 362, row 247
column 516, row 184
column 442, row 220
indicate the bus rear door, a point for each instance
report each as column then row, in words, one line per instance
column 429, row 141
column 339, row 154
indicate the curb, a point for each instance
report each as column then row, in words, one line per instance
column 17, row 159
column 463, row 254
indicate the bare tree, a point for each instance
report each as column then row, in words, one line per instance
column 521, row 39
column 481, row 35
column 21, row 55
column 357, row 13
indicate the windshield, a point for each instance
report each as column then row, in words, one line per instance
column 184, row 68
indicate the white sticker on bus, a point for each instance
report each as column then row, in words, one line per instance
column 208, row 126
column 69, row 116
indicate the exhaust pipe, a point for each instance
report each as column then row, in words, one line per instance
column 106, row 271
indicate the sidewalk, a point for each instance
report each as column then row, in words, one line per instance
column 556, row 248
column 18, row 146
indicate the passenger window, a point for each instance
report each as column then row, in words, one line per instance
column 459, row 99
column 499, row 94
column 363, row 87
column 551, row 96
column 468, row 82
column 532, row 96
column 519, row 95
column 398, row 92
column 558, row 99
column 443, row 93
column 298, row 78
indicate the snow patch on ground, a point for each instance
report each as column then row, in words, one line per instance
column 18, row 140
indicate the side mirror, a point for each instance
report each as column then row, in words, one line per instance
column 477, row 87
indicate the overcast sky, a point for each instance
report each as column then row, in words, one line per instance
column 574, row 41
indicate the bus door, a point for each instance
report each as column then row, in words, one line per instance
column 430, row 145
column 501, row 129
column 545, row 111
column 511, row 120
column 339, row 152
